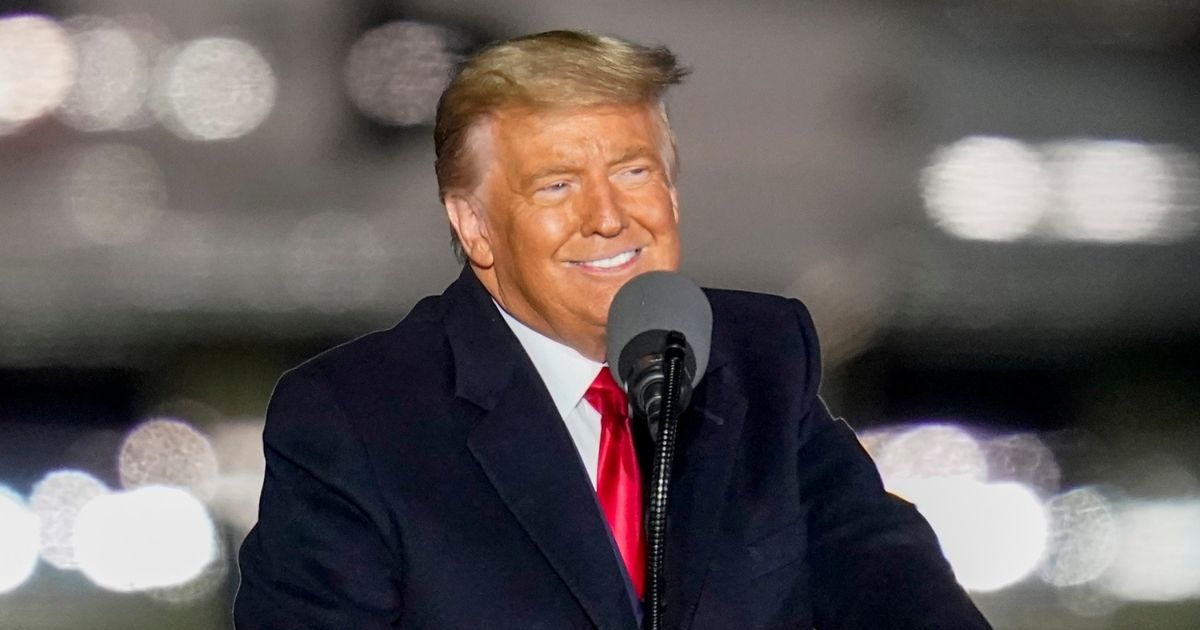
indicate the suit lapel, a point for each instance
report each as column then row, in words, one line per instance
column 709, row 435
column 528, row 456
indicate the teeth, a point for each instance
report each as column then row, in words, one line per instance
column 615, row 261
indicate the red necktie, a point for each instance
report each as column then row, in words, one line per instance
column 618, row 478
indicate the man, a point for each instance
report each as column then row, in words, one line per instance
column 459, row 470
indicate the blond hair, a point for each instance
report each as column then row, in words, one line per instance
column 546, row 71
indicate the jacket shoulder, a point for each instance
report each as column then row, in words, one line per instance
column 767, row 337
column 416, row 343
column 749, row 315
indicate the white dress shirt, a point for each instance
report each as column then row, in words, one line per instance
column 567, row 375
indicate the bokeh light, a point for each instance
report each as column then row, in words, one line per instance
column 113, row 79
column 1024, row 458
column 168, row 452
column 215, row 88
column 334, row 261
column 931, row 451
column 1111, row 191
column 993, row 534
column 37, row 67
column 1083, row 537
column 203, row 585
column 1159, row 556
column 57, row 499
column 114, row 193
column 151, row 537
column 986, row 188
column 395, row 73
column 1106, row 191
column 875, row 440
column 20, row 540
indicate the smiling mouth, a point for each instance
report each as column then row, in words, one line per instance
column 613, row 262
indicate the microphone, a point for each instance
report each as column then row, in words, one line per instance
column 651, row 316
column 659, row 334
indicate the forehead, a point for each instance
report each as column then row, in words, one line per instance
column 523, row 137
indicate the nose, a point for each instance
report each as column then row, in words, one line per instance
column 603, row 214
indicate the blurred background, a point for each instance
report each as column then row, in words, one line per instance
column 991, row 207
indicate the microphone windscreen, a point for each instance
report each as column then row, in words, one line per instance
column 659, row 301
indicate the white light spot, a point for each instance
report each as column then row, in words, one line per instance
column 37, row 67
column 216, row 89
column 114, row 193
column 200, row 587
column 334, row 261
column 1111, row 191
column 934, row 450
column 1083, row 538
column 1023, row 458
column 168, row 453
column 1159, row 557
column 875, row 441
column 1107, row 191
column 986, row 188
column 152, row 537
column 395, row 73
column 113, row 79
column 19, row 541
column 57, row 499
column 993, row 534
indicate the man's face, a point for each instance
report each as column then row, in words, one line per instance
column 574, row 203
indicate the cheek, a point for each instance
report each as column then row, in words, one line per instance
column 658, row 209
column 541, row 231
column 665, row 228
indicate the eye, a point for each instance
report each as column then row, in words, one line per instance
column 554, row 191
column 634, row 174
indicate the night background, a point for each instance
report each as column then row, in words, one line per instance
column 992, row 209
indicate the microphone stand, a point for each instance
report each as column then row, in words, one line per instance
column 660, row 481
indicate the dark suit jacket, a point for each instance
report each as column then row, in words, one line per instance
column 420, row 477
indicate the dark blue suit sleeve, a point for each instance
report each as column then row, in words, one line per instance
column 320, row 556
column 876, row 562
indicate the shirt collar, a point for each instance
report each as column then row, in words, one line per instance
column 566, row 373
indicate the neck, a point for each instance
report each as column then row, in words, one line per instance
column 590, row 343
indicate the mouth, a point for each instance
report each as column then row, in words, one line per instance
column 612, row 263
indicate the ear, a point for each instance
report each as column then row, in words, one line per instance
column 675, row 203
column 465, row 212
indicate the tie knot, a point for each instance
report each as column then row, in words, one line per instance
column 606, row 396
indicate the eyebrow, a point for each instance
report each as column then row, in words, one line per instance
column 630, row 154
